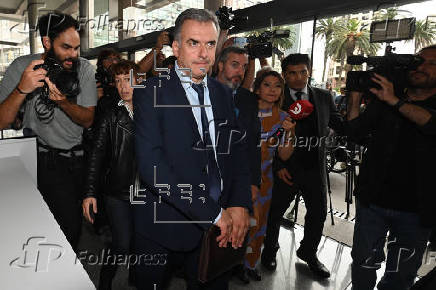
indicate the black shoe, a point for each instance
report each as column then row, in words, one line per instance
column 254, row 274
column 314, row 264
column 270, row 263
column 241, row 273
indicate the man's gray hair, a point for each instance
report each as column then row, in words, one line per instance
column 200, row 15
column 228, row 50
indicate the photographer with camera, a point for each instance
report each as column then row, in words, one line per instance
column 59, row 93
column 103, row 76
column 106, row 90
column 395, row 190
column 227, row 20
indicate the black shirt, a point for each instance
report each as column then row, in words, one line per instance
column 247, row 110
column 398, row 188
column 397, row 171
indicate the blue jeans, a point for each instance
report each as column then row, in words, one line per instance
column 406, row 244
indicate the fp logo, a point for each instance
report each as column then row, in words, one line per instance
column 37, row 254
column 297, row 109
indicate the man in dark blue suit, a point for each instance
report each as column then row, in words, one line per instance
column 191, row 158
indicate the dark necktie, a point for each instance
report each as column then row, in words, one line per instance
column 212, row 167
column 298, row 95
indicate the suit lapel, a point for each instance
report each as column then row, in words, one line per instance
column 216, row 106
column 318, row 108
column 288, row 101
column 176, row 89
column 220, row 119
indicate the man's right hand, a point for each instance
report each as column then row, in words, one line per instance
column 284, row 175
column 225, row 225
column 85, row 206
column 32, row 79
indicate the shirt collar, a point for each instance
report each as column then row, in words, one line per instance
column 304, row 91
column 123, row 103
column 185, row 79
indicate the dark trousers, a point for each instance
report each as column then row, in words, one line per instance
column 315, row 200
column 406, row 244
column 119, row 213
column 60, row 181
column 157, row 264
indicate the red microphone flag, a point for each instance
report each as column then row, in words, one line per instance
column 300, row 109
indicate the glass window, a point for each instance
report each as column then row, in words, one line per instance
column 101, row 29
column 351, row 34
column 240, row 4
column 146, row 18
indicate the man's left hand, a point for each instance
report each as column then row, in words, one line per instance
column 55, row 95
column 241, row 224
column 386, row 93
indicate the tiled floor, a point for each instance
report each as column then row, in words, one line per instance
column 291, row 273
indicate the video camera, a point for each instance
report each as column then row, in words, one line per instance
column 395, row 67
column 227, row 19
column 261, row 46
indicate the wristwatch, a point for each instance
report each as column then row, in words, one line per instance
column 400, row 103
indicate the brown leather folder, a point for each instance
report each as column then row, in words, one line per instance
column 214, row 260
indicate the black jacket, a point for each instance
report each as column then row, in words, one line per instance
column 383, row 124
column 112, row 157
column 327, row 117
column 178, row 208
column 247, row 104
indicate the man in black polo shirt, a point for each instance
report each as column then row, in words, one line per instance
column 395, row 191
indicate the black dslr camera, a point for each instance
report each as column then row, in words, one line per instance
column 395, row 67
column 67, row 81
column 104, row 77
column 227, row 19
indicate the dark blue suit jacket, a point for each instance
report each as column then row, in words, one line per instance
column 167, row 141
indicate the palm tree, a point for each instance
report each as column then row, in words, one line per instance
column 325, row 29
column 425, row 34
column 280, row 43
column 353, row 37
column 386, row 14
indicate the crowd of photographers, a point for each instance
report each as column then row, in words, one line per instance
column 84, row 123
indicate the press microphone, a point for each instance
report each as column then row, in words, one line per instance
column 297, row 111
column 300, row 109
